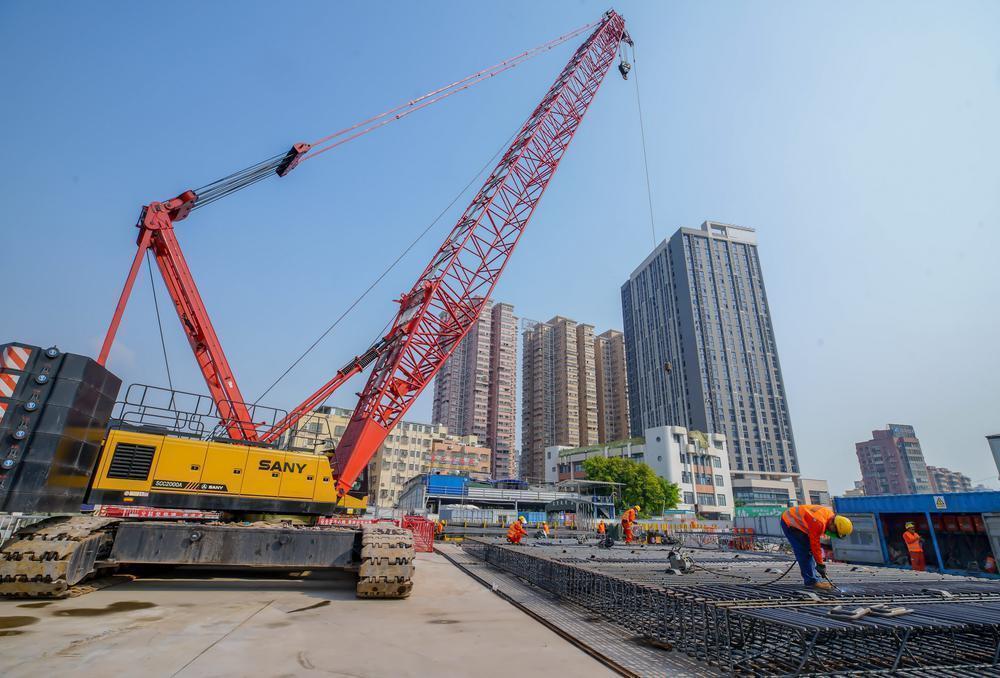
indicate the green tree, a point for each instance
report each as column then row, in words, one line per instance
column 640, row 483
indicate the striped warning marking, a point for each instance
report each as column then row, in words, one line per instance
column 3, row 411
column 16, row 357
column 7, row 384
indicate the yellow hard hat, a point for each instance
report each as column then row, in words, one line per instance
column 909, row 525
column 843, row 526
column 522, row 519
column 637, row 507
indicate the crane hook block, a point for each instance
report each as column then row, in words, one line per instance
column 292, row 159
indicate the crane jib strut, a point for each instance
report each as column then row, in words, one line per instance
column 444, row 303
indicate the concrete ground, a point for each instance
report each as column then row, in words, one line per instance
column 193, row 624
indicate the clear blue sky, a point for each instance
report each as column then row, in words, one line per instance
column 860, row 139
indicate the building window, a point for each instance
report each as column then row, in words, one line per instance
column 722, row 499
column 686, row 477
column 718, row 481
column 716, row 462
column 706, row 499
column 689, row 497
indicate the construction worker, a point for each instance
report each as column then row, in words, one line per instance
column 804, row 525
column 439, row 529
column 601, row 529
column 516, row 530
column 915, row 545
column 628, row 522
column 545, row 529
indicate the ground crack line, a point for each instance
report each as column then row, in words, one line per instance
column 221, row 638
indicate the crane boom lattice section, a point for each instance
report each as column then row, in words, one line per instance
column 447, row 298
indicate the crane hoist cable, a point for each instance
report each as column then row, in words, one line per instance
column 645, row 160
column 283, row 162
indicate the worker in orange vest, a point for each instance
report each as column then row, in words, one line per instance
column 628, row 522
column 545, row 529
column 601, row 530
column 516, row 530
column 439, row 529
column 804, row 525
column 915, row 545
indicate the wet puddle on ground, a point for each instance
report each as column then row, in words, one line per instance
column 122, row 606
column 15, row 622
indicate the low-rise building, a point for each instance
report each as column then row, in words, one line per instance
column 411, row 448
column 463, row 456
column 696, row 462
column 945, row 480
column 857, row 491
column 775, row 490
column 813, row 491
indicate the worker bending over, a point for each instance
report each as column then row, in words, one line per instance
column 516, row 530
column 804, row 526
column 915, row 545
column 628, row 522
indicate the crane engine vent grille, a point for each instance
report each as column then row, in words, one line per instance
column 131, row 462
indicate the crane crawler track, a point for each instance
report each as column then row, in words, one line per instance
column 386, row 568
column 50, row 558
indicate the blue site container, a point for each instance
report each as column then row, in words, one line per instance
column 961, row 530
column 453, row 486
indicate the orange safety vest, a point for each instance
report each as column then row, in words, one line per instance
column 912, row 540
column 600, row 528
column 516, row 530
column 811, row 519
column 628, row 517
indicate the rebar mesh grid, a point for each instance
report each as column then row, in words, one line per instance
column 729, row 612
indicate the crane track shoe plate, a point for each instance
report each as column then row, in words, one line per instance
column 386, row 568
column 49, row 558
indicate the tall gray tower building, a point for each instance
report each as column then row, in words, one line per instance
column 700, row 351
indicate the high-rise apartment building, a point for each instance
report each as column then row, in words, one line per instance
column 612, row 387
column 475, row 391
column 501, row 426
column 701, row 353
column 559, row 391
column 944, row 480
column 892, row 462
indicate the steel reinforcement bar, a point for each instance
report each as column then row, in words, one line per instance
column 731, row 617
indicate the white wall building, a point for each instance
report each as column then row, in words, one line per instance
column 696, row 462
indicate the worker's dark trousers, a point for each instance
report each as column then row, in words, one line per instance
column 803, row 553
